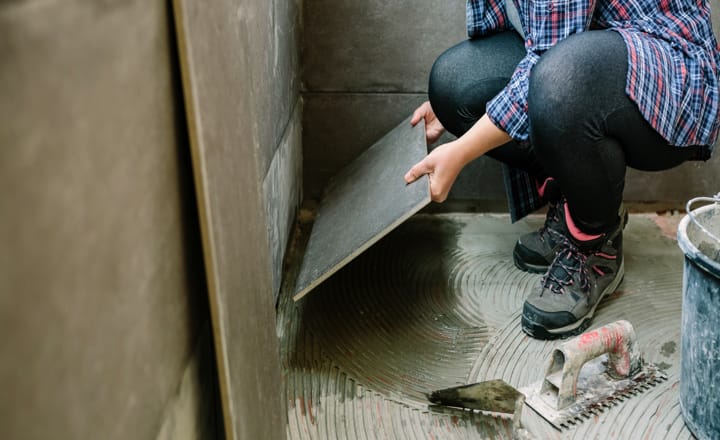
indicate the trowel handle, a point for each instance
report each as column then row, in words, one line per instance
column 616, row 339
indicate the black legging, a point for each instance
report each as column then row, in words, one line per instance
column 584, row 130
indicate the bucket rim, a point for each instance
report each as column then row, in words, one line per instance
column 690, row 250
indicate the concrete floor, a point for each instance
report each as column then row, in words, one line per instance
column 436, row 304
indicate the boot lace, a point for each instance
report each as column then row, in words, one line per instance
column 569, row 262
column 549, row 228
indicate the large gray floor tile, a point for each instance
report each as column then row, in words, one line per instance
column 364, row 202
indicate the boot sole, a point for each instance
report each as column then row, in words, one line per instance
column 538, row 331
column 527, row 267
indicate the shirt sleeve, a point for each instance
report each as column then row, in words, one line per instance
column 485, row 17
column 546, row 23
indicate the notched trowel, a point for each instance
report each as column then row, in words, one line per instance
column 494, row 397
column 589, row 373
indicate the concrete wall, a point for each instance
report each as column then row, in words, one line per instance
column 365, row 67
column 240, row 75
column 281, row 158
column 282, row 192
column 104, row 323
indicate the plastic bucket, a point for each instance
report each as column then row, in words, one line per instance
column 700, row 332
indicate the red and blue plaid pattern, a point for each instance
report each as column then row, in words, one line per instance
column 673, row 62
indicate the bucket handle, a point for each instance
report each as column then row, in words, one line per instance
column 713, row 199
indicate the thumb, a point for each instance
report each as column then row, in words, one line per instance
column 417, row 171
column 417, row 115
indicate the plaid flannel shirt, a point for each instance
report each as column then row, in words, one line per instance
column 672, row 56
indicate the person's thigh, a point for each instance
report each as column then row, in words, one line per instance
column 577, row 99
column 466, row 76
column 585, row 130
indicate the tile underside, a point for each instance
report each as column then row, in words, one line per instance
column 363, row 203
column 436, row 303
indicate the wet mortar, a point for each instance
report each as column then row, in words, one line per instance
column 436, row 304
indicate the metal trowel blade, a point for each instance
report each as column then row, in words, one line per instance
column 493, row 396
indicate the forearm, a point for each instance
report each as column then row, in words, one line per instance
column 481, row 138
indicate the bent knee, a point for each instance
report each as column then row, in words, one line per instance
column 446, row 74
column 583, row 74
column 592, row 60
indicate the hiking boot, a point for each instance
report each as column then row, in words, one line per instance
column 535, row 251
column 581, row 274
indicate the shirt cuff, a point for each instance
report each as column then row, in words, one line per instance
column 509, row 115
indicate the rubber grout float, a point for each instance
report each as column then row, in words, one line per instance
column 589, row 373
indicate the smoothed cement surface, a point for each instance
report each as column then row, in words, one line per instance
column 435, row 304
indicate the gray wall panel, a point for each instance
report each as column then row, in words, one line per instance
column 376, row 45
column 267, row 37
column 240, row 90
column 282, row 190
column 676, row 186
column 102, row 296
